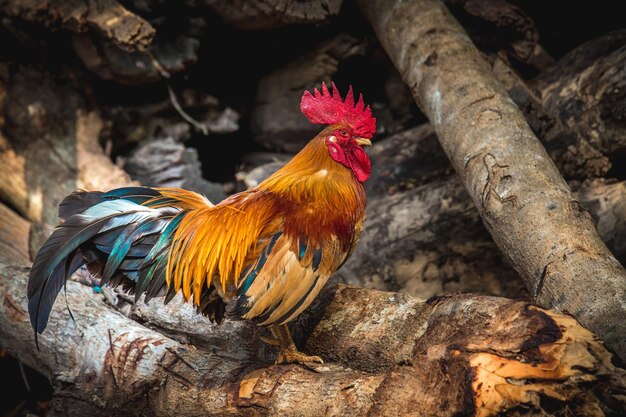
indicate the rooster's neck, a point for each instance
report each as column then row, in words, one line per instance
column 318, row 196
column 313, row 175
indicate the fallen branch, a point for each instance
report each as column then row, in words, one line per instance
column 499, row 354
column 522, row 198
column 49, row 145
column 107, row 17
column 265, row 14
column 587, row 90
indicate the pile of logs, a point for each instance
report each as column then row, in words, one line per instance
column 488, row 276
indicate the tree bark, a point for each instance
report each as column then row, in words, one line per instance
column 588, row 88
column 49, row 144
column 265, row 14
column 165, row 162
column 461, row 354
column 107, row 17
column 429, row 239
column 516, row 36
column 522, row 198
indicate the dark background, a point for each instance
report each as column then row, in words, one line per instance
column 231, row 63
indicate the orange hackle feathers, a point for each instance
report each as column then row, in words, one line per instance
column 310, row 196
column 326, row 195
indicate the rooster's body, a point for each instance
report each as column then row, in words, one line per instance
column 265, row 252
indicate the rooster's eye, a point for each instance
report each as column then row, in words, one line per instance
column 343, row 133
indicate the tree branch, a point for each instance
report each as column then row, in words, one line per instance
column 49, row 144
column 264, row 14
column 522, row 198
column 497, row 353
column 108, row 17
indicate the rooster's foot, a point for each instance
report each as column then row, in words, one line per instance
column 294, row 356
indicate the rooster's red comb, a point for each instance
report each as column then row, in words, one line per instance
column 329, row 109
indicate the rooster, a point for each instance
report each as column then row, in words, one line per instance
column 264, row 253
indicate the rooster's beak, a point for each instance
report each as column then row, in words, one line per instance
column 363, row 142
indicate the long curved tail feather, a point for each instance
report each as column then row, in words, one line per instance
column 124, row 236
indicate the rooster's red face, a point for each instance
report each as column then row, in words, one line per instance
column 354, row 126
column 347, row 149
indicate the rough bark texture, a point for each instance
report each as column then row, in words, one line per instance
column 606, row 201
column 164, row 162
column 51, row 145
column 266, row 14
column 588, row 88
column 567, row 144
column 522, row 198
column 460, row 354
column 107, row 17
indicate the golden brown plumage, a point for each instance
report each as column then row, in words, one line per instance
column 267, row 251
column 313, row 206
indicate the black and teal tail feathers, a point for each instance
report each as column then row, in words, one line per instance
column 119, row 234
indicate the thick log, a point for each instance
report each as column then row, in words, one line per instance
column 49, row 144
column 567, row 144
column 606, row 201
column 588, row 88
column 173, row 50
column 502, row 27
column 522, row 198
column 430, row 240
column 266, row 14
column 460, row 354
column 108, row 18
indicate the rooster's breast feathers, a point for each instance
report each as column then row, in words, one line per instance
column 269, row 256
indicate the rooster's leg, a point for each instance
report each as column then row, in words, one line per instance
column 289, row 353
